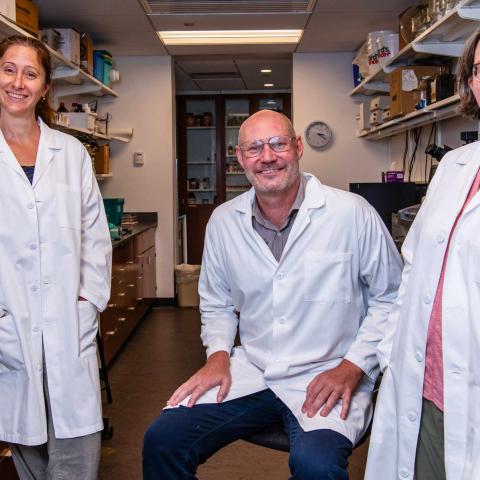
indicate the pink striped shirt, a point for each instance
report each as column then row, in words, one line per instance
column 433, row 380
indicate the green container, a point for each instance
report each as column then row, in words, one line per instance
column 114, row 210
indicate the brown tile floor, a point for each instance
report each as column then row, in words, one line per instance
column 163, row 352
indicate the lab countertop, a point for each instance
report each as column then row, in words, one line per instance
column 146, row 220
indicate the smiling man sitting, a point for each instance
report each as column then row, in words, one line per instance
column 308, row 274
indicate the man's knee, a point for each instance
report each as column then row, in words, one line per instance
column 320, row 455
column 160, row 436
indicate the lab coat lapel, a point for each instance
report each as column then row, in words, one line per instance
column 471, row 171
column 314, row 199
column 8, row 158
column 245, row 208
column 47, row 147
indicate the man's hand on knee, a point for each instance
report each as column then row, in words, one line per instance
column 327, row 388
column 215, row 372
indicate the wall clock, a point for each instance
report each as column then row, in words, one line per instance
column 318, row 134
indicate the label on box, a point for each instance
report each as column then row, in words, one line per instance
column 409, row 81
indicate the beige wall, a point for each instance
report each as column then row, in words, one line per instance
column 146, row 102
column 321, row 84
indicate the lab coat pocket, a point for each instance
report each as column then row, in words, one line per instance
column 87, row 328
column 327, row 277
column 69, row 209
column 11, row 356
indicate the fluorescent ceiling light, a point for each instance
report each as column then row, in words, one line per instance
column 265, row 70
column 268, row 84
column 226, row 37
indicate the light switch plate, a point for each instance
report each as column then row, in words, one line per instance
column 139, row 159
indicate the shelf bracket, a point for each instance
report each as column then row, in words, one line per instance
column 63, row 72
column 66, row 90
column 377, row 87
column 469, row 12
column 448, row 49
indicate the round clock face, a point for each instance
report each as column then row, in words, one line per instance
column 318, row 134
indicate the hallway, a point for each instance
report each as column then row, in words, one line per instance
column 163, row 352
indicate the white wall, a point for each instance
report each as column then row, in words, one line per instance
column 146, row 102
column 321, row 84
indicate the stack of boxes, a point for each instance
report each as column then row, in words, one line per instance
column 378, row 106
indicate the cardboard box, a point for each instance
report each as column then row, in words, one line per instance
column 27, row 16
column 404, row 87
column 8, row 9
column 379, row 103
column 102, row 159
column 363, row 117
column 51, row 37
column 86, row 53
column 69, row 44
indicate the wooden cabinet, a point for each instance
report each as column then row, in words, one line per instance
column 208, row 171
column 133, row 290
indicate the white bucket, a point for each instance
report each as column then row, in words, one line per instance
column 387, row 46
column 372, row 45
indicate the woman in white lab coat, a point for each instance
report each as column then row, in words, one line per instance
column 55, row 256
column 427, row 418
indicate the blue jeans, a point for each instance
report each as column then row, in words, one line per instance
column 182, row 438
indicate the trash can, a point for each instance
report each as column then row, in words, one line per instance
column 186, row 279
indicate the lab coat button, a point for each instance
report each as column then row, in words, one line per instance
column 280, row 276
column 33, row 246
column 36, row 329
column 412, row 416
column 46, row 280
column 419, row 357
column 441, row 237
column 404, row 473
column 281, row 320
column 34, row 288
column 30, row 206
column 39, row 367
column 427, row 299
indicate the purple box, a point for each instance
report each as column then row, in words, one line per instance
column 393, row 177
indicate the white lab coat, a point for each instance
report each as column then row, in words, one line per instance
column 54, row 247
column 327, row 299
column 397, row 415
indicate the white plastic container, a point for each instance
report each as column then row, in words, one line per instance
column 374, row 61
column 387, row 46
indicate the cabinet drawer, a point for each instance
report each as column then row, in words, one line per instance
column 144, row 241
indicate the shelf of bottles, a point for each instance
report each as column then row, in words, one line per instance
column 236, row 111
column 201, row 157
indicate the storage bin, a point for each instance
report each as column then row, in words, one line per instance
column 102, row 64
column 186, row 279
column 114, row 210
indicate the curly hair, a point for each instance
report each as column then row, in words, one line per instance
column 43, row 108
column 468, row 104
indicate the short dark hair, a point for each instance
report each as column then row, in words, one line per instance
column 468, row 104
column 42, row 109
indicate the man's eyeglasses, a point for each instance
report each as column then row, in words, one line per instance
column 476, row 72
column 277, row 144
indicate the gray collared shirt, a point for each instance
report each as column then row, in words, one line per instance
column 276, row 238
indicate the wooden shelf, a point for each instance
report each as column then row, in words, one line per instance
column 83, row 131
column 103, row 176
column 234, row 173
column 69, row 79
column 445, row 38
column 435, row 112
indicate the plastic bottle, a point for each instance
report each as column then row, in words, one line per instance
column 62, row 108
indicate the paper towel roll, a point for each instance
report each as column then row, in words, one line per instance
column 123, row 133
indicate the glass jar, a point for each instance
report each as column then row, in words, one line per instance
column 207, row 119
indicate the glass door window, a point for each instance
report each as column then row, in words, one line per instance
column 201, row 151
column 236, row 111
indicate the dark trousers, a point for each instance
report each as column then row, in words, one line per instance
column 182, row 438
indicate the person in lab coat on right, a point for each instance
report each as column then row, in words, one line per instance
column 427, row 418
